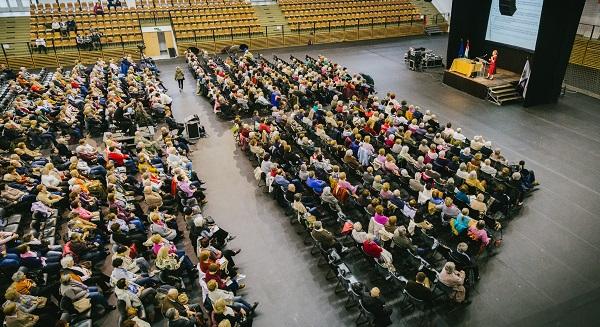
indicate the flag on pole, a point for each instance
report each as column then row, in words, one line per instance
column 524, row 81
column 461, row 49
column 467, row 50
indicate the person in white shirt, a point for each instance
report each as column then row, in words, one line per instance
column 237, row 302
column 448, row 131
column 165, row 99
column 55, row 25
column 487, row 168
column 458, row 136
column 358, row 234
column 40, row 44
column 477, row 143
column 51, row 177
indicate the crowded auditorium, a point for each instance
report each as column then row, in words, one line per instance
column 237, row 163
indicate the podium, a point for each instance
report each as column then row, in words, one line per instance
column 484, row 66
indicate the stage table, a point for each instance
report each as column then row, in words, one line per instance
column 465, row 66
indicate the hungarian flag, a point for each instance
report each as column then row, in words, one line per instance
column 467, row 50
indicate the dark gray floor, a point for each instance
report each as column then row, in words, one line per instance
column 547, row 270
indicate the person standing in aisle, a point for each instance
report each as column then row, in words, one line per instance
column 179, row 77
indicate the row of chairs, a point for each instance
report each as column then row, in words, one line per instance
column 69, row 7
column 333, row 10
column 291, row 2
column 188, row 3
column 347, row 281
column 214, row 19
column 390, row 17
column 325, row 22
column 366, row 6
column 187, row 33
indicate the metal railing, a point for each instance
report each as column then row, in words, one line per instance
column 63, row 51
column 26, row 54
column 307, row 33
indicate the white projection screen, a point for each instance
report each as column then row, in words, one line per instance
column 515, row 22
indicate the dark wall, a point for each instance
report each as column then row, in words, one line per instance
column 548, row 62
column 509, row 58
column 469, row 21
column 555, row 40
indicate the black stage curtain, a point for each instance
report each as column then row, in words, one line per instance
column 558, row 26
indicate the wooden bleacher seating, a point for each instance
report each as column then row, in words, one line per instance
column 189, row 18
column 338, row 13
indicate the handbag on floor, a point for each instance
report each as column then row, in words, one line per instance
column 82, row 304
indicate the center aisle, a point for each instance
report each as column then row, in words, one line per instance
column 281, row 273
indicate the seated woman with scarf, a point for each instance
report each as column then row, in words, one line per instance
column 461, row 223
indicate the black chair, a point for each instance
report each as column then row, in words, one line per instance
column 364, row 317
column 413, row 304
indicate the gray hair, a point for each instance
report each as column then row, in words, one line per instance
column 171, row 313
column 67, row 262
column 18, row 276
column 317, row 225
column 449, row 267
column 462, row 247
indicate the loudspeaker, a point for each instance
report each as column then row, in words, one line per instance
column 508, row 7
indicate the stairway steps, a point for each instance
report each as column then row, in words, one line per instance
column 503, row 94
column 429, row 10
column 503, row 91
column 271, row 16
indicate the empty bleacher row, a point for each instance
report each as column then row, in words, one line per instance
column 338, row 13
column 237, row 18
column 585, row 52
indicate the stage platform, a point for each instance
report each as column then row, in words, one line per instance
column 478, row 86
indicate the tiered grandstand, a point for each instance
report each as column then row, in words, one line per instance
column 208, row 24
column 305, row 15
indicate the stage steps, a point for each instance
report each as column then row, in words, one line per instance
column 503, row 94
column 433, row 30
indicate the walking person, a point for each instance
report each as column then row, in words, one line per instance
column 179, row 77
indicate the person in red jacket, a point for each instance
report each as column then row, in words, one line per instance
column 383, row 256
column 117, row 157
column 213, row 273
column 371, row 248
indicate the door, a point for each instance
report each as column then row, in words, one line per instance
column 152, row 44
column 162, row 43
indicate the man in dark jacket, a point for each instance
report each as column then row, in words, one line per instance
column 326, row 239
column 175, row 320
column 418, row 290
column 375, row 305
